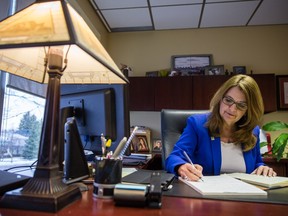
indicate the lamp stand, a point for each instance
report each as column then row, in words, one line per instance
column 45, row 191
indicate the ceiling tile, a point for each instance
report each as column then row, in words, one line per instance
column 126, row 18
column 135, row 15
column 109, row 4
column 221, row 1
column 228, row 14
column 271, row 12
column 173, row 2
column 176, row 17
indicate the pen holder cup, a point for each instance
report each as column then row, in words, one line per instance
column 108, row 173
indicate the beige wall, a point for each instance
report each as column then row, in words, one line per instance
column 261, row 49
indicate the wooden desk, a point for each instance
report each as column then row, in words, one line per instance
column 89, row 205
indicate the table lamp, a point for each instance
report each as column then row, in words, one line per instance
column 39, row 43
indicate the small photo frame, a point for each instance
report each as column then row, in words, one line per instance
column 282, row 92
column 139, row 144
column 239, row 70
column 157, row 146
column 214, row 70
column 152, row 74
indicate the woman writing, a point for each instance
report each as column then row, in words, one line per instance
column 226, row 139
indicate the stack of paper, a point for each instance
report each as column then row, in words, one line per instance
column 265, row 181
column 224, row 185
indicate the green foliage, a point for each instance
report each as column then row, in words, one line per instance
column 31, row 127
column 280, row 143
column 275, row 126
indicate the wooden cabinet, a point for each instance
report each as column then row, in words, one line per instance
column 191, row 92
column 173, row 93
column 141, row 94
column 280, row 167
column 267, row 85
column 204, row 87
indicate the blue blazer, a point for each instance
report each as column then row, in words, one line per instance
column 206, row 150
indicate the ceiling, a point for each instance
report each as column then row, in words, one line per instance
column 141, row 15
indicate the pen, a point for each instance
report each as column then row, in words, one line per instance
column 119, row 148
column 190, row 161
column 128, row 142
column 103, row 144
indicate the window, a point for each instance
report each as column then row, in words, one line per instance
column 22, row 114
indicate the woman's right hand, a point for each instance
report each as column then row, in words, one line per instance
column 189, row 172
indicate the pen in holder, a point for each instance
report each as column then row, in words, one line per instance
column 108, row 173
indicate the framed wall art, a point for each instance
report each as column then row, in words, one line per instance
column 239, row 70
column 190, row 64
column 282, row 92
column 214, row 70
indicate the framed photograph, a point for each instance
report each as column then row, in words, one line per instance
column 157, row 146
column 239, row 70
column 152, row 74
column 190, row 64
column 139, row 144
column 214, row 70
column 282, row 91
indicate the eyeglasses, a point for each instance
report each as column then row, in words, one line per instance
column 230, row 101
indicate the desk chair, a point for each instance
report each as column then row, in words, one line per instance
column 173, row 123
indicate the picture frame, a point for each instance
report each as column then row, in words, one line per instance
column 282, row 92
column 139, row 144
column 214, row 70
column 152, row 74
column 157, row 146
column 239, row 70
column 191, row 64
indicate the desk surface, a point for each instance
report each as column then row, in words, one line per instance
column 90, row 205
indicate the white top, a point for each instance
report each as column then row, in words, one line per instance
column 232, row 158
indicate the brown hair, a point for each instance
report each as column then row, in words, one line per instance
column 255, row 109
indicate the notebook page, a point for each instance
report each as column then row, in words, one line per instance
column 270, row 182
column 223, row 185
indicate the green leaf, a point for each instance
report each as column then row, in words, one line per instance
column 279, row 141
column 280, row 145
column 274, row 126
column 281, row 151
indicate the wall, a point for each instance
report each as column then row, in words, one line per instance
column 151, row 120
column 263, row 49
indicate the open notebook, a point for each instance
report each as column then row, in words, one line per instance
column 224, row 185
column 268, row 182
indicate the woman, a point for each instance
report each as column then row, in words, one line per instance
column 226, row 139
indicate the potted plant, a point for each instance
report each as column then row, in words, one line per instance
column 280, row 143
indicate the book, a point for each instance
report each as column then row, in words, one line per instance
column 265, row 181
column 223, row 185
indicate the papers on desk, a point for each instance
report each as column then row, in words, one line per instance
column 136, row 159
column 224, row 185
column 265, row 181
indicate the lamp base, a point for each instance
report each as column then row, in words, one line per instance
column 49, row 203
